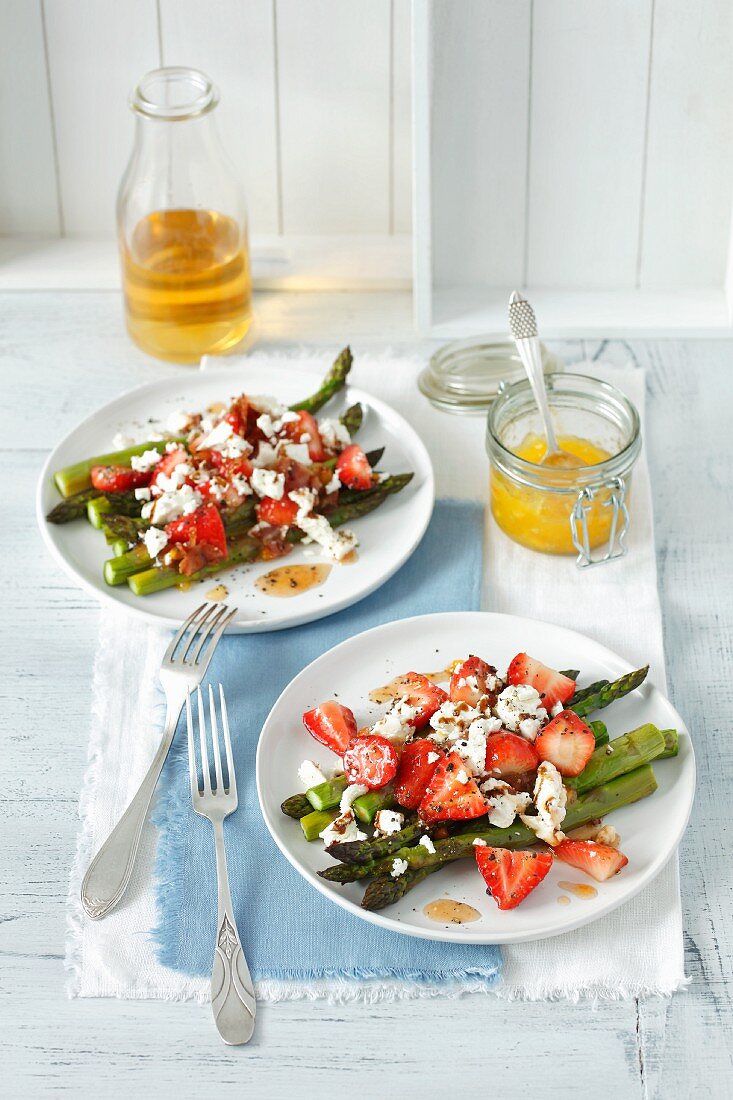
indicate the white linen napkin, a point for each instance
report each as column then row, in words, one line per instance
column 634, row 951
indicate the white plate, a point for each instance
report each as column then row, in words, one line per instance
column 650, row 829
column 387, row 537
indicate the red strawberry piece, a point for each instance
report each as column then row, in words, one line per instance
column 468, row 682
column 167, row 464
column 448, row 797
column 566, row 742
column 552, row 686
column 353, row 468
column 237, row 416
column 371, row 761
column 511, row 876
column 600, row 861
column 118, row 479
column 332, row 724
column 418, row 762
column 278, row 513
column 305, row 430
column 509, row 755
column 204, row 527
column 422, row 693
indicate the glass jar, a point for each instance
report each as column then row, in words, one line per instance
column 182, row 224
column 559, row 510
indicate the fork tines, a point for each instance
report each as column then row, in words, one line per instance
column 209, row 621
column 223, row 785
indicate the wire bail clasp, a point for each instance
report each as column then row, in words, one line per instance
column 616, row 546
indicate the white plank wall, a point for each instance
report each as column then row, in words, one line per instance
column 315, row 109
column 593, row 139
column 690, row 160
column 588, row 114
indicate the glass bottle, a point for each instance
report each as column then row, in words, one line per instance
column 182, row 224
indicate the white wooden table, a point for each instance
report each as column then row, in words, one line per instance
column 61, row 355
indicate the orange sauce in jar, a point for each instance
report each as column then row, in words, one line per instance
column 540, row 518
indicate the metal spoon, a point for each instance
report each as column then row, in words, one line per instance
column 523, row 325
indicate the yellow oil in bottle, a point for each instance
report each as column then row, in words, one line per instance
column 187, row 284
column 538, row 518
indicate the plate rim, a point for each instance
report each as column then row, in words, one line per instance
column 464, row 935
column 107, row 598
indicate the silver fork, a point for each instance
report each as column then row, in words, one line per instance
column 232, row 993
column 111, row 869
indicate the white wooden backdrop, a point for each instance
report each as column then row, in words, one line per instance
column 315, row 107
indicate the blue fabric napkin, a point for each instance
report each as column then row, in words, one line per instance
column 289, row 930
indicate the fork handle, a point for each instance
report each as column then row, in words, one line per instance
column 110, row 871
column 232, row 992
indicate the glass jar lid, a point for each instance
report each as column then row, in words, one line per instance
column 465, row 375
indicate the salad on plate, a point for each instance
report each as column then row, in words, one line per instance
column 239, row 482
column 512, row 772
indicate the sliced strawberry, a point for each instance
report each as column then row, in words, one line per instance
column 510, row 876
column 204, row 527
column 468, row 682
column 118, row 479
column 305, row 430
column 237, row 416
column 566, row 742
column 418, row 762
column 278, row 513
column 422, row 693
column 353, row 468
column 231, row 467
column 600, row 861
column 448, row 798
column 552, row 686
column 332, row 724
column 167, row 464
column 509, row 755
column 371, row 761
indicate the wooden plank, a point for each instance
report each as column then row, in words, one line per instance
column 401, row 130
column 479, row 60
column 333, row 63
column 98, row 50
column 589, row 90
column 28, row 196
column 235, row 46
column 687, row 208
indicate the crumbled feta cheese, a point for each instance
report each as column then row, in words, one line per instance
column 289, row 417
column 387, row 822
column 121, row 441
column 266, row 455
column 427, row 843
column 334, row 484
column 172, row 505
column 268, row 483
column 179, row 422
column 479, row 842
column 472, row 748
column 269, row 405
column 608, row 835
column 550, row 798
column 337, row 544
column 462, row 776
column 142, row 494
column 433, row 757
column 399, row 866
column 504, row 802
column 168, row 483
column 171, row 447
column 218, row 435
column 155, row 540
column 395, row 724
column 529, row 728
column 240, row 485
column 334, row 433
column 344, row 828
column 310, row 775
column 354, row 790
column 556, row 709
column 235, row 447
column 144, row 462
column 266, row 425
column 297, row 451
column 517, row 703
